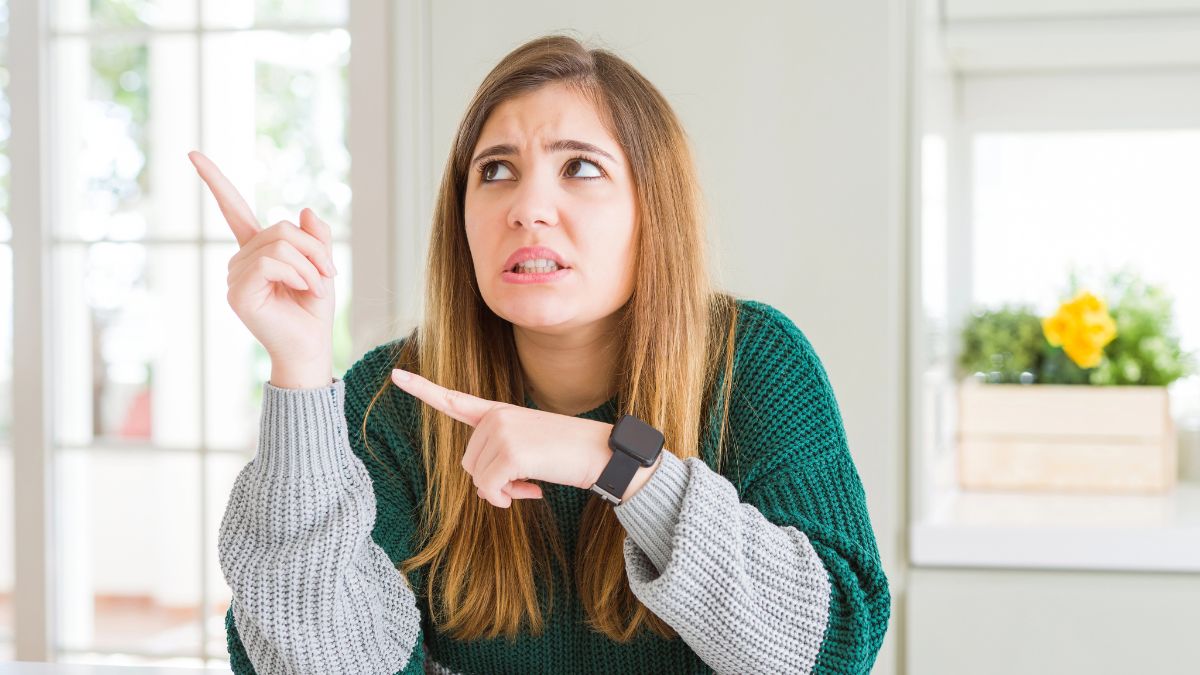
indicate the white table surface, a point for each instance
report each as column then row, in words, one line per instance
column 32, row 668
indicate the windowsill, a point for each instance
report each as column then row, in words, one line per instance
column 1158, row 533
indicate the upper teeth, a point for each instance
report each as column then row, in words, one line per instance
column 538, row 265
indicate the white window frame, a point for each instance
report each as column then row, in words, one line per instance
column 392, row 196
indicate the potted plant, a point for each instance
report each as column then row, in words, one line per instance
column 1072, row 401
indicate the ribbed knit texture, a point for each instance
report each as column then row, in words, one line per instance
column 305, row 502
column 768, row 565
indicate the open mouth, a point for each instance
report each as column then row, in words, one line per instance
column 540, row 267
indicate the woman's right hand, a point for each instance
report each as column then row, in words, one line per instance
column 280, row 284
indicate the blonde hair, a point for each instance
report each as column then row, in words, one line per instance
column 673, row 336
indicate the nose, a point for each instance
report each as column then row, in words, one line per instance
column 533, row 203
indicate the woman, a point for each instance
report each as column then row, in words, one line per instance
column 480, row 455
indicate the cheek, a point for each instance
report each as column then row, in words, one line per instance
column 474, row 215
column 479, row 225
column 475, row 227
column 480, row 247
column 612, row 256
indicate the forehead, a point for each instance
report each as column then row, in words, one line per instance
column 551, row 112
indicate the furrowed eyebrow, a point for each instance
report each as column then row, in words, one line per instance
column 553, row 146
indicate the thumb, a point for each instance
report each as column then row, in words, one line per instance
column 520, row 489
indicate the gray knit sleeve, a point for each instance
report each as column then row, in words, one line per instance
column 747, row 595
column 312, row 592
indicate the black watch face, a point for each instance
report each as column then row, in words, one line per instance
column 638, row 438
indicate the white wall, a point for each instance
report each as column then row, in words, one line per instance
column 1005, row 621
column 797, row 115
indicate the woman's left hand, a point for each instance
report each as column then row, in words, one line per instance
column 512, row 444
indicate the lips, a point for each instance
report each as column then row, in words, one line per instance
column 533, row 253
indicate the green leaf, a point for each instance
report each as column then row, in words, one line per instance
column 998, row 345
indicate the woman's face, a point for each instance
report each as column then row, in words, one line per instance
column 546, row 188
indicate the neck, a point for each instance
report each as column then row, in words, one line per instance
column 568, row 373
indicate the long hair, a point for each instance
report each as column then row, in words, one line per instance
column 673, row 336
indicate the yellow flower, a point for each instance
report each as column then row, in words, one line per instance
column 1082, row 327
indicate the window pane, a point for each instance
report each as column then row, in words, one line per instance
column 75, row 15
column 275, row 122
column 125, row 119
column 5, row 125
column 1047, row 201
column 126, row 344
column 235, row 363
column 128, row 554
column 6, row 345
column 7, row 532
column 244, row 13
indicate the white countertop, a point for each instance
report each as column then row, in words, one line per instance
column 1149, row 533
column 33, row 668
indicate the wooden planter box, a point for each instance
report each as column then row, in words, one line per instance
column 1065, row 438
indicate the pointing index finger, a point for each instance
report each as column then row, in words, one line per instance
column 460, row 406
column 235, row 209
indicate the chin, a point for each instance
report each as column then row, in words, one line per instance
column 534, row 312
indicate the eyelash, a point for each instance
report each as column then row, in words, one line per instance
column 481, row 168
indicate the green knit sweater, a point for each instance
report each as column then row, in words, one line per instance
column 769, row 565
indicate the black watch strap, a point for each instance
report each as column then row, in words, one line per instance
column 616, row 477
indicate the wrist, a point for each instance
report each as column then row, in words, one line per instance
column 604, row 455
column 643, row 475
column 305, row 377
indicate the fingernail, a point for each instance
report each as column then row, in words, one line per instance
column 401, row 375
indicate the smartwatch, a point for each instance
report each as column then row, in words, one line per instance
column 635, row 444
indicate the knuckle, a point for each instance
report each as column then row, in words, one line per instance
column 506, row 455
column 281, row 230
column 502, row 435
column 487, row 420
column 261, row 264
column 508, row 422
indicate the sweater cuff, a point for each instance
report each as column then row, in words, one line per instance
column 650, row 516
column 302, row 432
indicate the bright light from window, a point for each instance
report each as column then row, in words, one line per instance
column 1044, row 202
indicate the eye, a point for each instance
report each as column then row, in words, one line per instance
column 576, row 162
column 486, row 171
